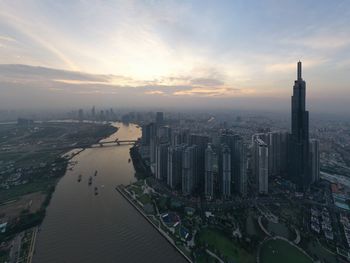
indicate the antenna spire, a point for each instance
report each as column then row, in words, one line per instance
column 299, row 70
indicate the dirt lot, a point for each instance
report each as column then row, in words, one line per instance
column 32, row 202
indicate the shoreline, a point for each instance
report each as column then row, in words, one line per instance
column 50, row 192
column 120, row 190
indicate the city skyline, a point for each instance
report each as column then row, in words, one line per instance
column 194, row 53
column 174, row 131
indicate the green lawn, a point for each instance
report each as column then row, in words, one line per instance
column 218, row 241
column 314, row 248
column 145, row 199
column 136, row 189
column 205, row 258
column 17, row 191
column 276, row 251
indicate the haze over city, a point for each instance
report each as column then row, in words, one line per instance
column 194, row 131
column 211, row 54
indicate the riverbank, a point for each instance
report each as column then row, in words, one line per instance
column 49, row 162
column 122, row 191
column 141, row 169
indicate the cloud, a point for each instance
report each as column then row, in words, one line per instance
column 29, row 29
column 208, row 92
column 154, row 92
column 291, row 66
column 7, row 39
column 325, row 41
column 207, row 82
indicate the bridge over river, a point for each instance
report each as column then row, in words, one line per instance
column 116, row 142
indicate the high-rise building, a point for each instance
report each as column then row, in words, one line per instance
column 314, row 161
column 261, row 164
column 146, row 134
column 179, row 137
column 277, row 146
column 81, row 115
column 175, row 166
column 189, row 162
column 153, row 142
column 159, row 118
column 209, row 172
column 201, row 141
column 161, row 167
column 240, row 167
column 299, row 139
column 225, row 164
column 238, row 161
column 93, row 113
column 164, row 133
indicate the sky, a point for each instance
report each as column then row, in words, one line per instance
column 234, row 54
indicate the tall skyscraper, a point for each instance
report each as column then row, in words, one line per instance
column 277, row 145
column 146, row 134
column 240, row 169
column 299, row 139
column 189, row 162
column 174, row 166
column 209, row 173
column 261, row 164
column 161, row 168
column 201, row 141
column 80, row 115
column 152, row 142
column 238, row 161
column 93, row 113
column 225, row 164
column 314, row 160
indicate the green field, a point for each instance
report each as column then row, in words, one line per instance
column 276, row 251
column 222, row 245
column 17, row 191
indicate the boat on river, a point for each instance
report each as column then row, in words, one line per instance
column 90, row 180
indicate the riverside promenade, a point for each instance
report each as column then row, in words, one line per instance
column 120, row 189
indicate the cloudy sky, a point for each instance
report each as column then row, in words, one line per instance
column 173, row 53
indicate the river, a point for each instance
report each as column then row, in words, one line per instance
column 82, row 227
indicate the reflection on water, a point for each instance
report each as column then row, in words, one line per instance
column 83, row 227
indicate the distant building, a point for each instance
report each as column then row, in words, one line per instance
column 81, row 115
column 93, row 113
column 24, row 122
column 240, row 166
column 201, row 141
column 174, row 166
column 146, row 134
column 225, row 164
column 261, row 164
column 164, row 133
column 152, row 142
column 179, row 137
column 161, row 167
column 238, row 162
column 189, row 162
column 277, row 146
column 159, row 118
column 209, row 173
column 314, row 161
